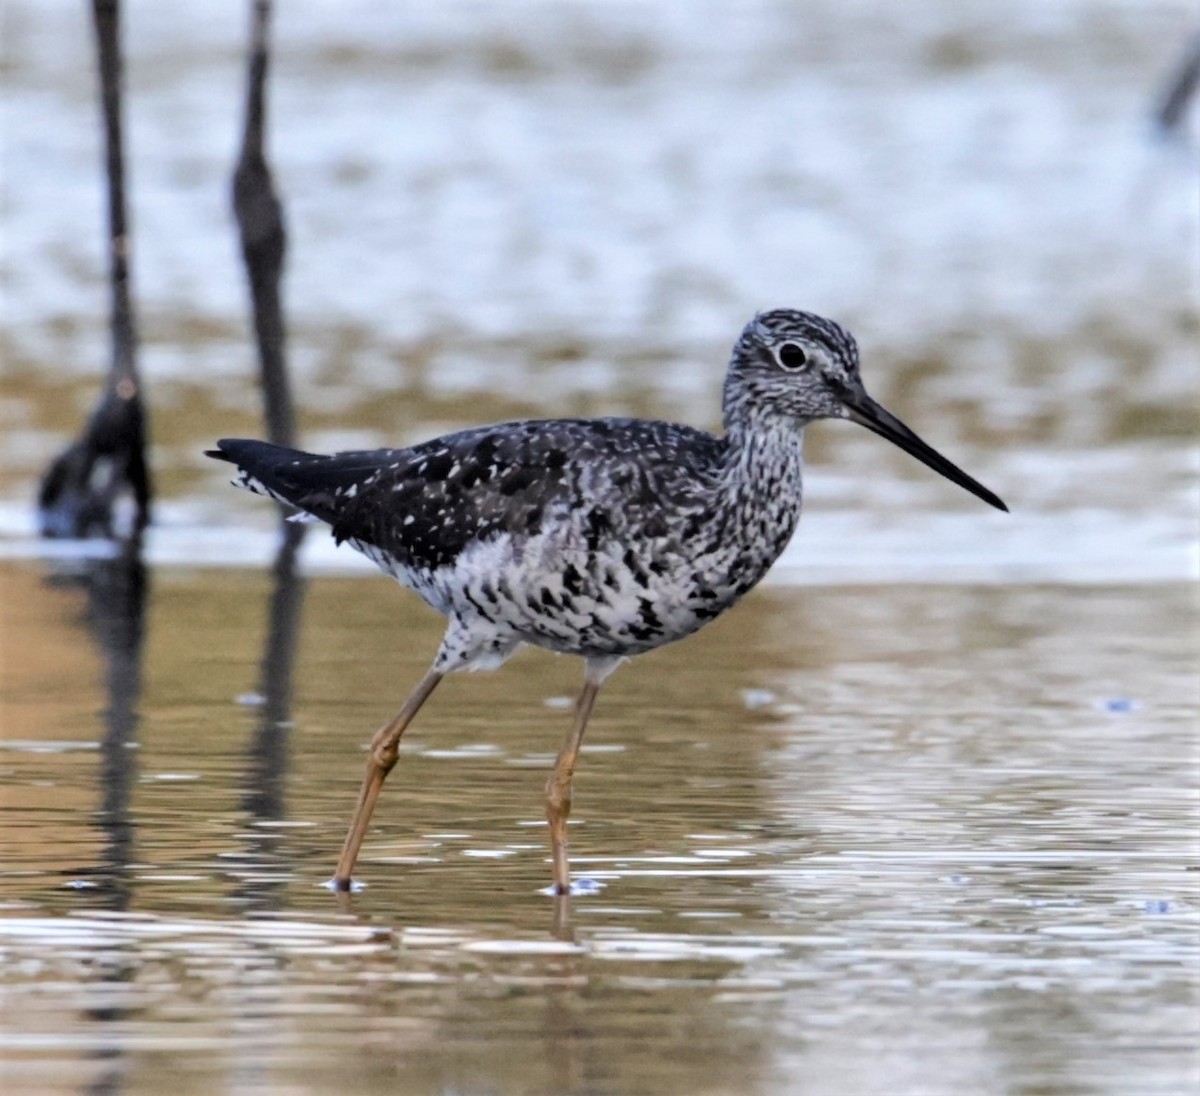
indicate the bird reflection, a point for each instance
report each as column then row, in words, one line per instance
column 560, row 926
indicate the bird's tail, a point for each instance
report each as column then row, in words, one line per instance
column 263, row 468
column 330, row 488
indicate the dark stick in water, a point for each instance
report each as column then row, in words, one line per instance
column 82, row 491
column 264, row 238
column 263, row 234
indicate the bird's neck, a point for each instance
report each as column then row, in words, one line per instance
column 758, row 494
column 763, row 457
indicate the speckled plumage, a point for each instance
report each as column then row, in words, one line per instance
column 590, row 537
column 595, row 537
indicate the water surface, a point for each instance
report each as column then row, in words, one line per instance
column 901, row 839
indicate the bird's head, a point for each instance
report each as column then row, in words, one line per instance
column 802, row 367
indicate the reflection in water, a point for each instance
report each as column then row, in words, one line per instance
column 116, row 601
column 560, row 927
column 267, row 867
column 117, row 591
column 264, row 798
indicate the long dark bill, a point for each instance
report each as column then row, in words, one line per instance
column 866, row 412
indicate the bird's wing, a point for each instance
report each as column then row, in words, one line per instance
column 426, row 503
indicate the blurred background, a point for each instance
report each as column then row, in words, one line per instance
column 539, row 209
column 915, row 819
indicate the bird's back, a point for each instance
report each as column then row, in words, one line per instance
column 427, row 503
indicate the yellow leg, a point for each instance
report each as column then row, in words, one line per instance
column 385, row 749
column 558, row 787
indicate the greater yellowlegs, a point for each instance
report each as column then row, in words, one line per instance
column 602, row 538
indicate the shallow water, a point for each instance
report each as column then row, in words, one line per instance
column 907, row 839
column 919, row 817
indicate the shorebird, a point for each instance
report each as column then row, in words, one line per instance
column 602, row 538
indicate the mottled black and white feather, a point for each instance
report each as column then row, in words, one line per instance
column 597, row 537
column 425, row 504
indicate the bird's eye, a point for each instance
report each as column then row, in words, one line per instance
column 792, row 356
